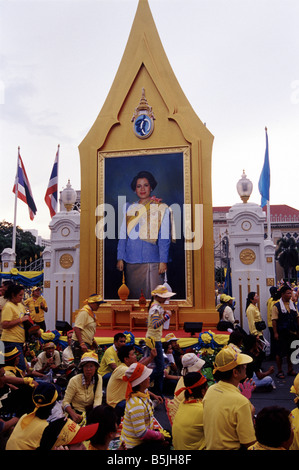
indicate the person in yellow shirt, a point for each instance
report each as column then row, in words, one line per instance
column 294, row 415
column 227, row 413
column 37, row 307
column 116, row 387
column 3, row 300
column 191, row 363
column 187, row 428
column 110, row 360
column 253, row 314
column 84, row 390
column 85, row 328
column 274, row 297
column 29, row 429
column 13, row 318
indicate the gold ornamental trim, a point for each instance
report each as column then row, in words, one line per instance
column 247, row 256
column 66, row 261
column 186, row 153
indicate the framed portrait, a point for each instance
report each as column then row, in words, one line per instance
column 116, row 170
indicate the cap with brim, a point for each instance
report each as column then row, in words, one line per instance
column 89, row 356
column 229, row 358
column 162, row 291
column 11, row 354
column 227, row 298
column 191, row 363
column 170, row 337
column 72, row 433
column 145, row 372
column 95, row 298
column 44, row 394
column 135, row 375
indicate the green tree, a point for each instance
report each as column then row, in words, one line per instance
column 26, row 248
column 287, row 255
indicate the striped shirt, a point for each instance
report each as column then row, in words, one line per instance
column 138, row 418
column 155, row 321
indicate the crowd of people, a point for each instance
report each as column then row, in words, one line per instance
column 75, row 398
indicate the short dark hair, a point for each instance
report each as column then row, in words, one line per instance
column 107, row 418
column 225, row 375
column 236, row 338
column 273, row 426
column 125, row 351
column 118, row 336
column 284, row 288
column 144, row 174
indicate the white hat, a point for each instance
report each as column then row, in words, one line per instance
column 141, row 374
column 191, row 363
column 162, row 291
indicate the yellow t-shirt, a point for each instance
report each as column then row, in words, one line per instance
column 294, row 418
column 110, row 357
column 28, row 438
column 187, row 428
column 172, row 405
column 79, row 396
column 227, row 418
column 258, row 446
column 32, row 303
column 116, row 388
column 253, row 315
column 10, row 312
column 2, row 303
column 270, row 303
column 86, row 321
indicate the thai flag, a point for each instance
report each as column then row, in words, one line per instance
column 23, row 189
column 52, row 191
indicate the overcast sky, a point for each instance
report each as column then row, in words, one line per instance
column 237, row 62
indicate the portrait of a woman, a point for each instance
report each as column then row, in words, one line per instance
column 145, row 237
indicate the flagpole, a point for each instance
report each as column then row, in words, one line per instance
column 268, row 221
column 268, row 208
column 14, row 233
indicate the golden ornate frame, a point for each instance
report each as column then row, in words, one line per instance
column 102, row 156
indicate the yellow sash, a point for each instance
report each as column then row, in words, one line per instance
column 149, row 216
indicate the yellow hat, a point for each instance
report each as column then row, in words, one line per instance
column 89, row 356
column 162, row 291
column 229, row 358
column 44, row 394
column 72, row 433
column 227, row 298
column 170, row 337
column 95, row 298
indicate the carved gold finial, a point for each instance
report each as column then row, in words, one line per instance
column 143, row 107
column 123, row 291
